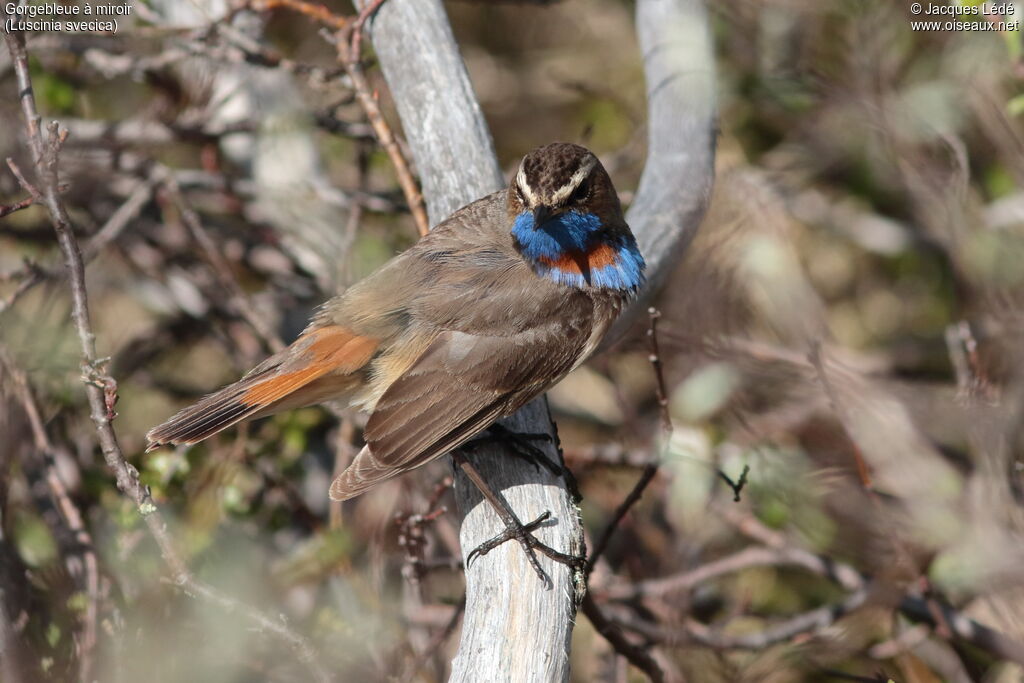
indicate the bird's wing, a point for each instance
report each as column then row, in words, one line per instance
column 334, row 357
column 458, row 387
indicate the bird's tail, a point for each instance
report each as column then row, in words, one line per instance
column 212, row 414
column 321, row 365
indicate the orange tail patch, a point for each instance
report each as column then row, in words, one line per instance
column 324, row 351
column 328, row 349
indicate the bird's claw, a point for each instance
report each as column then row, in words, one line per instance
column 515, row 530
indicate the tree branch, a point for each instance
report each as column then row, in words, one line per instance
column 637, row 656
column 511, row 624
column 349, row 54
column 507, row 614
column 675, row 187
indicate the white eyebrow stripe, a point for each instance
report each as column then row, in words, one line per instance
column 582, row 172
column 524, row 186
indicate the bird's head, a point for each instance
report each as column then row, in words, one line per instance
column 561, row 177
column 567, row 222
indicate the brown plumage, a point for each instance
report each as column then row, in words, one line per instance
column 463, row 328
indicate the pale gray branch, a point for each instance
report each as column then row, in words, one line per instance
column 513, row 628
column 675, row 187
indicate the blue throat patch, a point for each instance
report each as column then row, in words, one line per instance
column 569, row 250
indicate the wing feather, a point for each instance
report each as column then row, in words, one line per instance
column 458, row 388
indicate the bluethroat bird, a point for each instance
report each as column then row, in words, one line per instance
column 496, row 304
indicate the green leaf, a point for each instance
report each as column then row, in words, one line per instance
column 56, row 96
column 34, row 542
column 53, row 634
column 1015, row 107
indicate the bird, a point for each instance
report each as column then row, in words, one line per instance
column 492, row 307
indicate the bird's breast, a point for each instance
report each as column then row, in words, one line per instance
column 601, row 255
column 580, row 250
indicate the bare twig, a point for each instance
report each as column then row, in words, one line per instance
column 368, row 10
column 971, row 379
column 651, row 468
column 69, row 511
column 312, row 10
column 654, row 357
column 8, row 209
column 348, row 41
column 737, row 485
column 119, row 220
column 222, row 270
column 349, row 55
column 434, row 646
column 411, row 536
column 694, row 631
column 110, row 230
column 779, row 553
column 637, row 656
column 10, row 655
column 32, row 276
column 747, row 558
column 608, row 454
column 918, row 609
column 45, row 156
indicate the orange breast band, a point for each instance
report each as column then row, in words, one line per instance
column 599, row 256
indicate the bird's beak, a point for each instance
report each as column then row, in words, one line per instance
column 540, row 214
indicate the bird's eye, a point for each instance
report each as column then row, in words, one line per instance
column 581, row 192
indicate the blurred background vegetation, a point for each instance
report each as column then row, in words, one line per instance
column 847, row 324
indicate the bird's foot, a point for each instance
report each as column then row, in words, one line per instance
column 516, row 530
column 519, row 445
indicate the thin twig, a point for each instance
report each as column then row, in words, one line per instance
column 349, row 55
column 11, row 663
column 607, row 455
column 637, row 656
column 357, row 28
column 962, row 628
column 97, row 384
column 693, row 631
column 8, row 209
column 736, row 486
column 411, row 536
column 651, row 468
column 310, row 9
column 110, row 230
column 348, row 40
column 33, row 275
column 971, row 379
column 654, row 357
column 222, row 269
column 915, row 608
column 119, row 220
column 780, row 553
column 754, row 556
column 69, row 511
